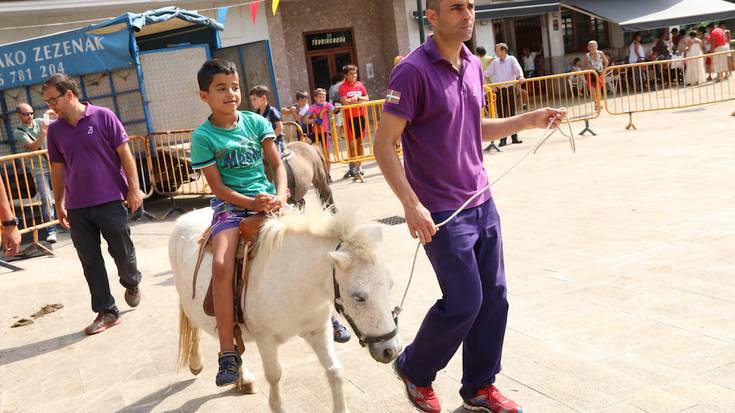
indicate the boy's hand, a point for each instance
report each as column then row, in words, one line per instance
column 277, row 202
column 261, row 202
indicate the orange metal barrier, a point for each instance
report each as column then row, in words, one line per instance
column 354, row 140
column 170, row 165
column 579, row 92
column 23, row 177
column 667, row 84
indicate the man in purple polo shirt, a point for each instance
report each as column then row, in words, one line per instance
column 90, row 161
column 433, row 107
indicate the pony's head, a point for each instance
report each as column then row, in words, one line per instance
column 362, row 288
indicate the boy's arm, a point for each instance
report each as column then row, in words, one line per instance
column 279, row 128
column 270, row 151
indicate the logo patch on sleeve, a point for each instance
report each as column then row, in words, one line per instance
column 393, row 97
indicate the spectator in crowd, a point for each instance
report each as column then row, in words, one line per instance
column 319, row 117
column 31, row 136
column 576, row 65
column 718, row 39
column 333, row 92
column 10, row 234
column 353, row 92
column 505, row 69
column 93, row 171
column 635, row 50
column 728, row 33
column 703, row 34
column 484, row 59
column 660, row 49
column 529, row 62
column 299, row 110
column 259, row 102
column 597, row 61
column 675, row 37
column 694, row 73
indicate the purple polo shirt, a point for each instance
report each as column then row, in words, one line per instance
column 442, row 141
column 93, row 173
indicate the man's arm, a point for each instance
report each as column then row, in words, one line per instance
column 418, row 218
column 10, row 234
column 134, row 197
column 493, row 129
column 57, row 187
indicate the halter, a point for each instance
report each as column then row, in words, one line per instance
column 362, row 338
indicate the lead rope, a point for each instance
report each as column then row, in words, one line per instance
column 533, row 149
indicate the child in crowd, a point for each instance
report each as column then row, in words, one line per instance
column 229, row 148
column 259, row 102
column 300, row 109
column 353, row 92
column 318, row 116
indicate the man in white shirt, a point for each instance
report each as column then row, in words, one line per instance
column 505, row 69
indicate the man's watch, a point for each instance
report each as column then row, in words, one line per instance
column 11, row 223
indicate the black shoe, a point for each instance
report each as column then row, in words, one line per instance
column 516, row 140
column 349, row 174
column 229, row 368
column 503, row 142
column 341, row 335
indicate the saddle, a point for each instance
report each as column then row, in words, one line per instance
column 249, row 230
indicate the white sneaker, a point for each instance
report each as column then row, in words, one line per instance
column 51, row 238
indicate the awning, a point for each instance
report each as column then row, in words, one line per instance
column 516, row 9
column 634, row 15
column 155, row 21
column 521, row 8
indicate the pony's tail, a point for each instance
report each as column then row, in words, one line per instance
column 188, row 343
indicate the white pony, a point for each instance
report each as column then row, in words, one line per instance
column 304, row 265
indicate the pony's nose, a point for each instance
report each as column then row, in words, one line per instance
column 388, row 354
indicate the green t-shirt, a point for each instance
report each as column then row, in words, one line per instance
column 237, row 152
column 25, row 136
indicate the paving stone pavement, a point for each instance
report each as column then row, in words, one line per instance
column 619, row 260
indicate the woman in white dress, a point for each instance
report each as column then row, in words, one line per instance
column 694, row 74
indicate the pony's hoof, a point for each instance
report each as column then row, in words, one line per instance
column 246, row 387
column 196, row 371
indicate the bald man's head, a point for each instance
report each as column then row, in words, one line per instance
column 25, row 113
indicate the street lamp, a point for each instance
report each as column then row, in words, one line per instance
column 422, row 35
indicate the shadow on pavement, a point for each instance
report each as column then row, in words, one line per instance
column 26, row 351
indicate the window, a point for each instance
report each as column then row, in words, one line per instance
column 578, row 29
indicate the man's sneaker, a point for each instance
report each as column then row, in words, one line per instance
column 132, row 296
column 229, row 368
column 341, row 335
column 490, row 400
column 51, row 238
column 103, row 322
column 422, row 398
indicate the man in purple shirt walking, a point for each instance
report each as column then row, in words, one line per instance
column 93, row 171
column 433, row 107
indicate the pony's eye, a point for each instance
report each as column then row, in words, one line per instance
column 359, row 297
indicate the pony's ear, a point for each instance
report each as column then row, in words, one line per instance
column 340, row 259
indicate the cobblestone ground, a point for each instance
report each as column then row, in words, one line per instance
column 619, row 257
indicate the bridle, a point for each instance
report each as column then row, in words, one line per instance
column 363, row 339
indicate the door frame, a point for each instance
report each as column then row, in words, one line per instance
column 329, row 53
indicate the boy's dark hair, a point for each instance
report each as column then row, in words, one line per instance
column 338, row 78
column 702, row 29
column 213, row 67
column 502, row 46
column 576, row 60
column 301, row 94
column 320, row 91
column 349, row 68
column 481, row 51
column 62, row 83
column 711, row 26
column 259, row 91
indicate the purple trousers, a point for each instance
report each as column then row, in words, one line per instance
column 467, row 256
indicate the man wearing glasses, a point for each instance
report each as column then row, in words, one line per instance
column 31, row 136
column 93, row 172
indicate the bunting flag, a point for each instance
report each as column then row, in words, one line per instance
column 274, row 6
column 254, row 6
column 222, row 14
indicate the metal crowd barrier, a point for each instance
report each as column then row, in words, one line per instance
column 579, row 92
column 667, row 84
column 353, row 129
column 141, row 151
column 23, row 175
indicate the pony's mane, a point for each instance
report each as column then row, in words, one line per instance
column 320, row 223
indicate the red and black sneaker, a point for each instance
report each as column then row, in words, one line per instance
column 489, row 399
column 422, row 398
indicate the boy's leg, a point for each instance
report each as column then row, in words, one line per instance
column 483, row 346
column 112, row 219
column 223, row 269
column 445, row 326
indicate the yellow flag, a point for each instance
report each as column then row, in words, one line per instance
column 274, row 6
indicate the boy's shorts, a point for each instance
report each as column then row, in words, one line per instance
column 355, row 127
column 226, row 215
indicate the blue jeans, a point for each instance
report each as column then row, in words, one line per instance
column 43, row 188
column 467, row 256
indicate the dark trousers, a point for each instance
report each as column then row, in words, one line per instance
column 111, row 221
column 505, row 103
column 467, row 256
